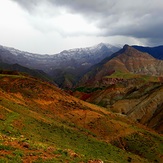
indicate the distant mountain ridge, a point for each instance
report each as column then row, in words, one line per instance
column 70, row 64
column 67, row 67
column 89, row 55
column 156, row 52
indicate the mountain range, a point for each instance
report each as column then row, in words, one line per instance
column 65, row 68
column 40, row 122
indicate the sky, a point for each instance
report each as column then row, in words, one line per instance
column 50, row 26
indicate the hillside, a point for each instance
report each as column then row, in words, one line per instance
column 33, row 72
column 130, row 83
column 137, row 98
column 41, row 123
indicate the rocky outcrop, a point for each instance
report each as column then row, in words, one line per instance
column 141, row 102
column 149, row 110
column 112, row 81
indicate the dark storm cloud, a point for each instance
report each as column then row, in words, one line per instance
column 81, row 6
column 29, row 5
column 139, row 19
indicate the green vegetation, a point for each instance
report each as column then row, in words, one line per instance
column 143, row 144
column 18, row 153
column 58, row 134
column 129, row 75
column 6, row 126
column 88, row 89
column 11, row 159
column 119, row 74
column 45, row 133
column 5, row 147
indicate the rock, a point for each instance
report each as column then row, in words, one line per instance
column 72, row 153
column 51, row 149
column 21, row 136
column 26, row 145
column 129, row 159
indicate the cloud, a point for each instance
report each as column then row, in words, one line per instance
column 139, row 19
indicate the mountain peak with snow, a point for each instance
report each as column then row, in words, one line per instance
column 79, row 59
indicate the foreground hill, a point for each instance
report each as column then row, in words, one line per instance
column 41, row 123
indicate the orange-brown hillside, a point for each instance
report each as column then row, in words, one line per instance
column 40, row 122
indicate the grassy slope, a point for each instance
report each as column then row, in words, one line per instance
column 123, row 75
column 40, row 123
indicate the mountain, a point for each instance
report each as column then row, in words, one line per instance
column 41, row 123
column 156, row 52
column 130, row 83
column 70, row 64
column 126, row 61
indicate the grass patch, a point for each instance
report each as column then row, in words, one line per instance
column 88, row 89
column 123, row 75
column 6, row 147
column 6, row 126
column 18, row 153
column 13, row 159
column 143, row 144
column 41, row 160
column 3, row 160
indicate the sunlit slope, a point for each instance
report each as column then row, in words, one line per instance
column 39, row 122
